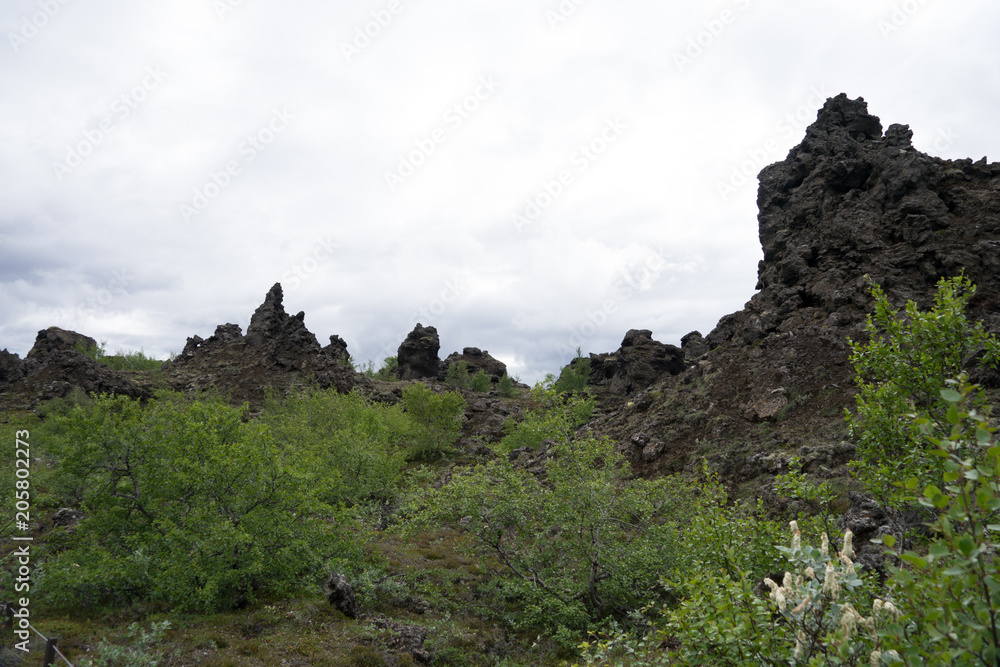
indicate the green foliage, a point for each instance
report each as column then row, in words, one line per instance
column 457, row 375
column 951, row 593
column 143, row 649
column 122, row 360
column 481, row 381
column 818, row 496
column 356, row 448
column 810, row 618
column 388, row 372
column 719, row 535
column 438, row 420
column 552, row 416
column 901, row 370
column 574, row 376
column 579, row 546
column 186, row 504
column 506, row 386
column 576, row 548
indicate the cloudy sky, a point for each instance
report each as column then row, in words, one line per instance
column 529, row 176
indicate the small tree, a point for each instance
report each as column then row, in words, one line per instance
column 579, row 546
column 438, row 418
column 574, row 375
column 901, row 370
column 481, row 381
column 506, row 386
column 457, row 375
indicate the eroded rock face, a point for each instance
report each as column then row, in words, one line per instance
column 476, row 360
column 850, row 202
column 270, row 326
column 418, row 354
column 639, row 363
column 54, row 367
column 278, row 351
column 52, row 340
column 11, row 368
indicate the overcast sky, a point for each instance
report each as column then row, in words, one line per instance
column 527, row 176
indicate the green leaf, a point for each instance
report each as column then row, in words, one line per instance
column 952, row 415
column 951, row 396
column 914, row 560
column 966, row 545
column 931, row 492
column 912, row 483
column 888, row 540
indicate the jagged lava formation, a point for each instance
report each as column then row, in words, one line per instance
column 774, row 378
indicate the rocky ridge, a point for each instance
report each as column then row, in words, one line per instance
column 849, row 205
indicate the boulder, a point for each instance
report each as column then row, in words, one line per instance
column 52, row 340
column 418, row 354
column 476, row 360
column 341, row 595
column 638, row 364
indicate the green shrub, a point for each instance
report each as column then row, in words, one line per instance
column 950, row 594
column 575, row 375
column 437, row 419
column 143, row 651
column 389, row 370
column 506, row 386
column 122, row 360
column 356, row 448
column 457, row 375
column 552, row 416
column 579, row 547
column 185, row 503
column 481, row 381
column 901, row 370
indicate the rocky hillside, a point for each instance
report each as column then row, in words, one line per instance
column 849, row 203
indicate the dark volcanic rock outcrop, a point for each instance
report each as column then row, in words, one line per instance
column 848, row 202
column 54, row 367
column 418, row 354
column 53, row 340
column 278, row 351
column 476, row 360
column 639, row 363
